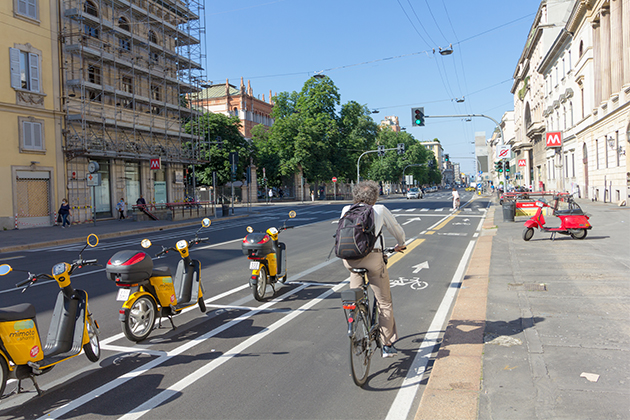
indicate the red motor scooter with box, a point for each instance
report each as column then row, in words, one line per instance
column 573, row 221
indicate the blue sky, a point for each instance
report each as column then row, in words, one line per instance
column 380, row 53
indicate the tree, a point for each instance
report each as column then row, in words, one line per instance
column 211, row 127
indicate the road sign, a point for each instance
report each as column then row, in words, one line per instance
column 156, row 163
column 93, row 180
column 554, row 139
column 334, row 179
column 503, row 151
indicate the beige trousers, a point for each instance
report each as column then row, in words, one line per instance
column 379, row 282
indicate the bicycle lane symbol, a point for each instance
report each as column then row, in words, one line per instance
column 415, row 283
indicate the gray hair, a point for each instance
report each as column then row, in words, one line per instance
column 365, row 192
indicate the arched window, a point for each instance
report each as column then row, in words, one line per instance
column 153, row 37
column 90, row 8
column 528, row 115
column 124, row 24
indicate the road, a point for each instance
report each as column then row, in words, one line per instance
column 283, row 358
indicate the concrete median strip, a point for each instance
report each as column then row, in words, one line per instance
column 455, row 382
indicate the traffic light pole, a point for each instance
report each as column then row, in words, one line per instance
column 365, row 153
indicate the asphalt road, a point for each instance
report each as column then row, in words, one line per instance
column 283, row 358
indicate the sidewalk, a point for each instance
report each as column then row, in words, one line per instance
column 540, row 328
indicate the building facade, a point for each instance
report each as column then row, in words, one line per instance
column 30, row 114
column 127, row 65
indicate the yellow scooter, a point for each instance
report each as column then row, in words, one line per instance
column 155, row 290
column 268, row 258
column 72, row 327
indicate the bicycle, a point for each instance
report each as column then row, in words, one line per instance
column 363, row 328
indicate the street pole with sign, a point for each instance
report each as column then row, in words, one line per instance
column 334, row 180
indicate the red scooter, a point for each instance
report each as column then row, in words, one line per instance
column 573, row 221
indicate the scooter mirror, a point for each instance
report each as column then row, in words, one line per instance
column 145, row 243
column 292, row 214
column 205, row 222
column 92, row 240
column 249, row 229
column 5, row 269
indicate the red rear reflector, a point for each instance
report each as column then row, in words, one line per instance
column 122, row 311
column 350, row 319
column 350, row 306
column 254, row 277
column 265, row 239
column 135, row 259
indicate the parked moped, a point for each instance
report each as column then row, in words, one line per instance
column 268, row 258
column 155, row 290
column 72, row 327
column 573, row 221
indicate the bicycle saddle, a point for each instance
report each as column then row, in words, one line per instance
column 360, row 270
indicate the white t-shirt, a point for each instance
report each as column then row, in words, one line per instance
column 383, row 217
column 455, row 195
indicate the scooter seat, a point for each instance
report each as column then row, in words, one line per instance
column 571, row 212
column 161, row 272
column 17, row 312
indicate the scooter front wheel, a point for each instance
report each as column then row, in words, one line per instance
column 528, row 233
column 93, row 348
column 578, row 233
column 139, row 321
column 4, row 372
column 261, row 285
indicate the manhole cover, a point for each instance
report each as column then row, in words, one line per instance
column 528, row 287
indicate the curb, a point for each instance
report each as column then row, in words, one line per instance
column 106, row 235
column 454, row 385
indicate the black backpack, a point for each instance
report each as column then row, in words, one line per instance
column 355, row 237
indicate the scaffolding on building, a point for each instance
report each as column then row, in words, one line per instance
column 127, row 68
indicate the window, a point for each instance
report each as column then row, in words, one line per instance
column 31, row 137
column 94, row 74
column 127, row 84
column 153, row 37
column 27, row 8
column 569, row 59
column 581, row 49
column 90, row 31
column 124, row 24
column 155, row 57
column 124, row 44
column 155, row 93
column 90, row 8
column 573, row 165
column 24, row 70
column 597, row 153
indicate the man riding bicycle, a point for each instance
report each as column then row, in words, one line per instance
column 366, row 192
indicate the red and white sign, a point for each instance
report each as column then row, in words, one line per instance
column 554, row 139
column 156, row 163
column 503, row 151
column 34, row 351
column 334, row 179
column 522, row 162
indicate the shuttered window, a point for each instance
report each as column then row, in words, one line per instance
column 25, row 70
column 32, row 135
column 27, row 8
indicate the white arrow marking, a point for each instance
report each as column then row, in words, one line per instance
column 420, row 266
column 411, row 220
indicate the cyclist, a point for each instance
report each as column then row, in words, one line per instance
column 367, row 192
column 455, row 199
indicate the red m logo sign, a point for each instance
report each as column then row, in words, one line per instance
column 554, row 139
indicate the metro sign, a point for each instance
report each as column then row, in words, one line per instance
column 156, row 163
column 554, row 139
column 522, row 162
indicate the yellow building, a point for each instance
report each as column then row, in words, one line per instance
column 31, row 163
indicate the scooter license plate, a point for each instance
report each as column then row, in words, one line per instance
column 254, row 265
column 123, row 294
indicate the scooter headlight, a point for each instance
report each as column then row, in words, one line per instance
column 59, row 269
column 181, row 244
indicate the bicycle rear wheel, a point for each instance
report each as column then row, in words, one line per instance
column 360, row 352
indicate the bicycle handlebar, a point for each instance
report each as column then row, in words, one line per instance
column 32, row 278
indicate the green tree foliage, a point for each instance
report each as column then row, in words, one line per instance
column 309, row 136
column 209, row 127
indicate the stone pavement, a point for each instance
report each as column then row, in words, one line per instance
column 540, row 329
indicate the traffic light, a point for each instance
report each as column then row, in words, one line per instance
column 417, row 117
column 446, row 157
column 400, row 148
column 507, row 166
column 498, row 166
column 380, row 150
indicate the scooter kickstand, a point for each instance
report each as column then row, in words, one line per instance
column 172, row 323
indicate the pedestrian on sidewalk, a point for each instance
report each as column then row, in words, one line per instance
column 455, row 199
column 64, row 212
column 141, row 202
column 121, row 209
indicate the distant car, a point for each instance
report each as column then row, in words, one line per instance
column 470, row 188
column 414, row 193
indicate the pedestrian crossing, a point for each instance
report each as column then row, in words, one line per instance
column 401, row 212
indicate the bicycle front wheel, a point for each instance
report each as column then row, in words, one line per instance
column 360, row 352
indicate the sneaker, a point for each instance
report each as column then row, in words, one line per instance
column 389, row 351
column 63, row 227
